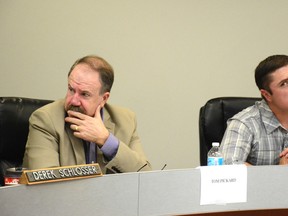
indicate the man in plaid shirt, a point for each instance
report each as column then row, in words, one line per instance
column 258, row 135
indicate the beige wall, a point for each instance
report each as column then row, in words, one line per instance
column 170, row 57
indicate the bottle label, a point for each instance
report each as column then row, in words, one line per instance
column 215, row 161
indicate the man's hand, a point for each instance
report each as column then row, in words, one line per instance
column 88, row 128
column 284, row 157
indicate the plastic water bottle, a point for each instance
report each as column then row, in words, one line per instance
column 215, row 158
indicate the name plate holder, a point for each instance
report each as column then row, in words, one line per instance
column 56, row 174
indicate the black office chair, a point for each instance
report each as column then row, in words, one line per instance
column 213, row 118
column 14, row 127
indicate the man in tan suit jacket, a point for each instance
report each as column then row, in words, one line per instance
column 83, row 128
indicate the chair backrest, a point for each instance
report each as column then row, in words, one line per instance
column 14, row 126
column 213, row 120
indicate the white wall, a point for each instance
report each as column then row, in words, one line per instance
column 169, row 56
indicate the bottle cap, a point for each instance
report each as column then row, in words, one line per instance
column 215, row 144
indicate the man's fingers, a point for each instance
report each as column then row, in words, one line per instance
column 97, row 113
column 284, row 153
column 75, row 114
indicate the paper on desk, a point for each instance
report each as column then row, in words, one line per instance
column 223, row 184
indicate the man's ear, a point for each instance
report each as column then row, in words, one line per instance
column 105, row 98
column 266, row 94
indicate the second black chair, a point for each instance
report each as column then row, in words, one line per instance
column 213, row 120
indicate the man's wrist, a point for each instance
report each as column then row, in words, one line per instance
column 101, row 141
column 110, row 147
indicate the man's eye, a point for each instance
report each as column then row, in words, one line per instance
column 284, row 83
column 86, row 94
column 70, row 89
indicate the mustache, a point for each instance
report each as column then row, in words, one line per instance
column 76, row 109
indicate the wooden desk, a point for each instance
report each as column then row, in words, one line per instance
column 264, row 212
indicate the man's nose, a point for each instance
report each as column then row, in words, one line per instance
column 75, row 100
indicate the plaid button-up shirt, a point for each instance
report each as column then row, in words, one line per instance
column 254, row 135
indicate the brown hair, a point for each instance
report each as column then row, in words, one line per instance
column 101, row 66
column 266, row 68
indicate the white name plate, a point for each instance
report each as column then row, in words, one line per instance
column 223, row 184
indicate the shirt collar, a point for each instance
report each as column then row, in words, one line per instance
column 270, row 121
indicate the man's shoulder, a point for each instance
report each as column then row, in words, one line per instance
column 118, row 111
column 54, row 108
column 117, row 108
column 248, row 114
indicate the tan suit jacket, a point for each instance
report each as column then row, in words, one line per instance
column 51, row 142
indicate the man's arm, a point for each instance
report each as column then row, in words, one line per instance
column 236, row 143
column 41, row 147
column 129, row 156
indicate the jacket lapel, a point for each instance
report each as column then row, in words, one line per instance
column 77, row 146
column 108, row 122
